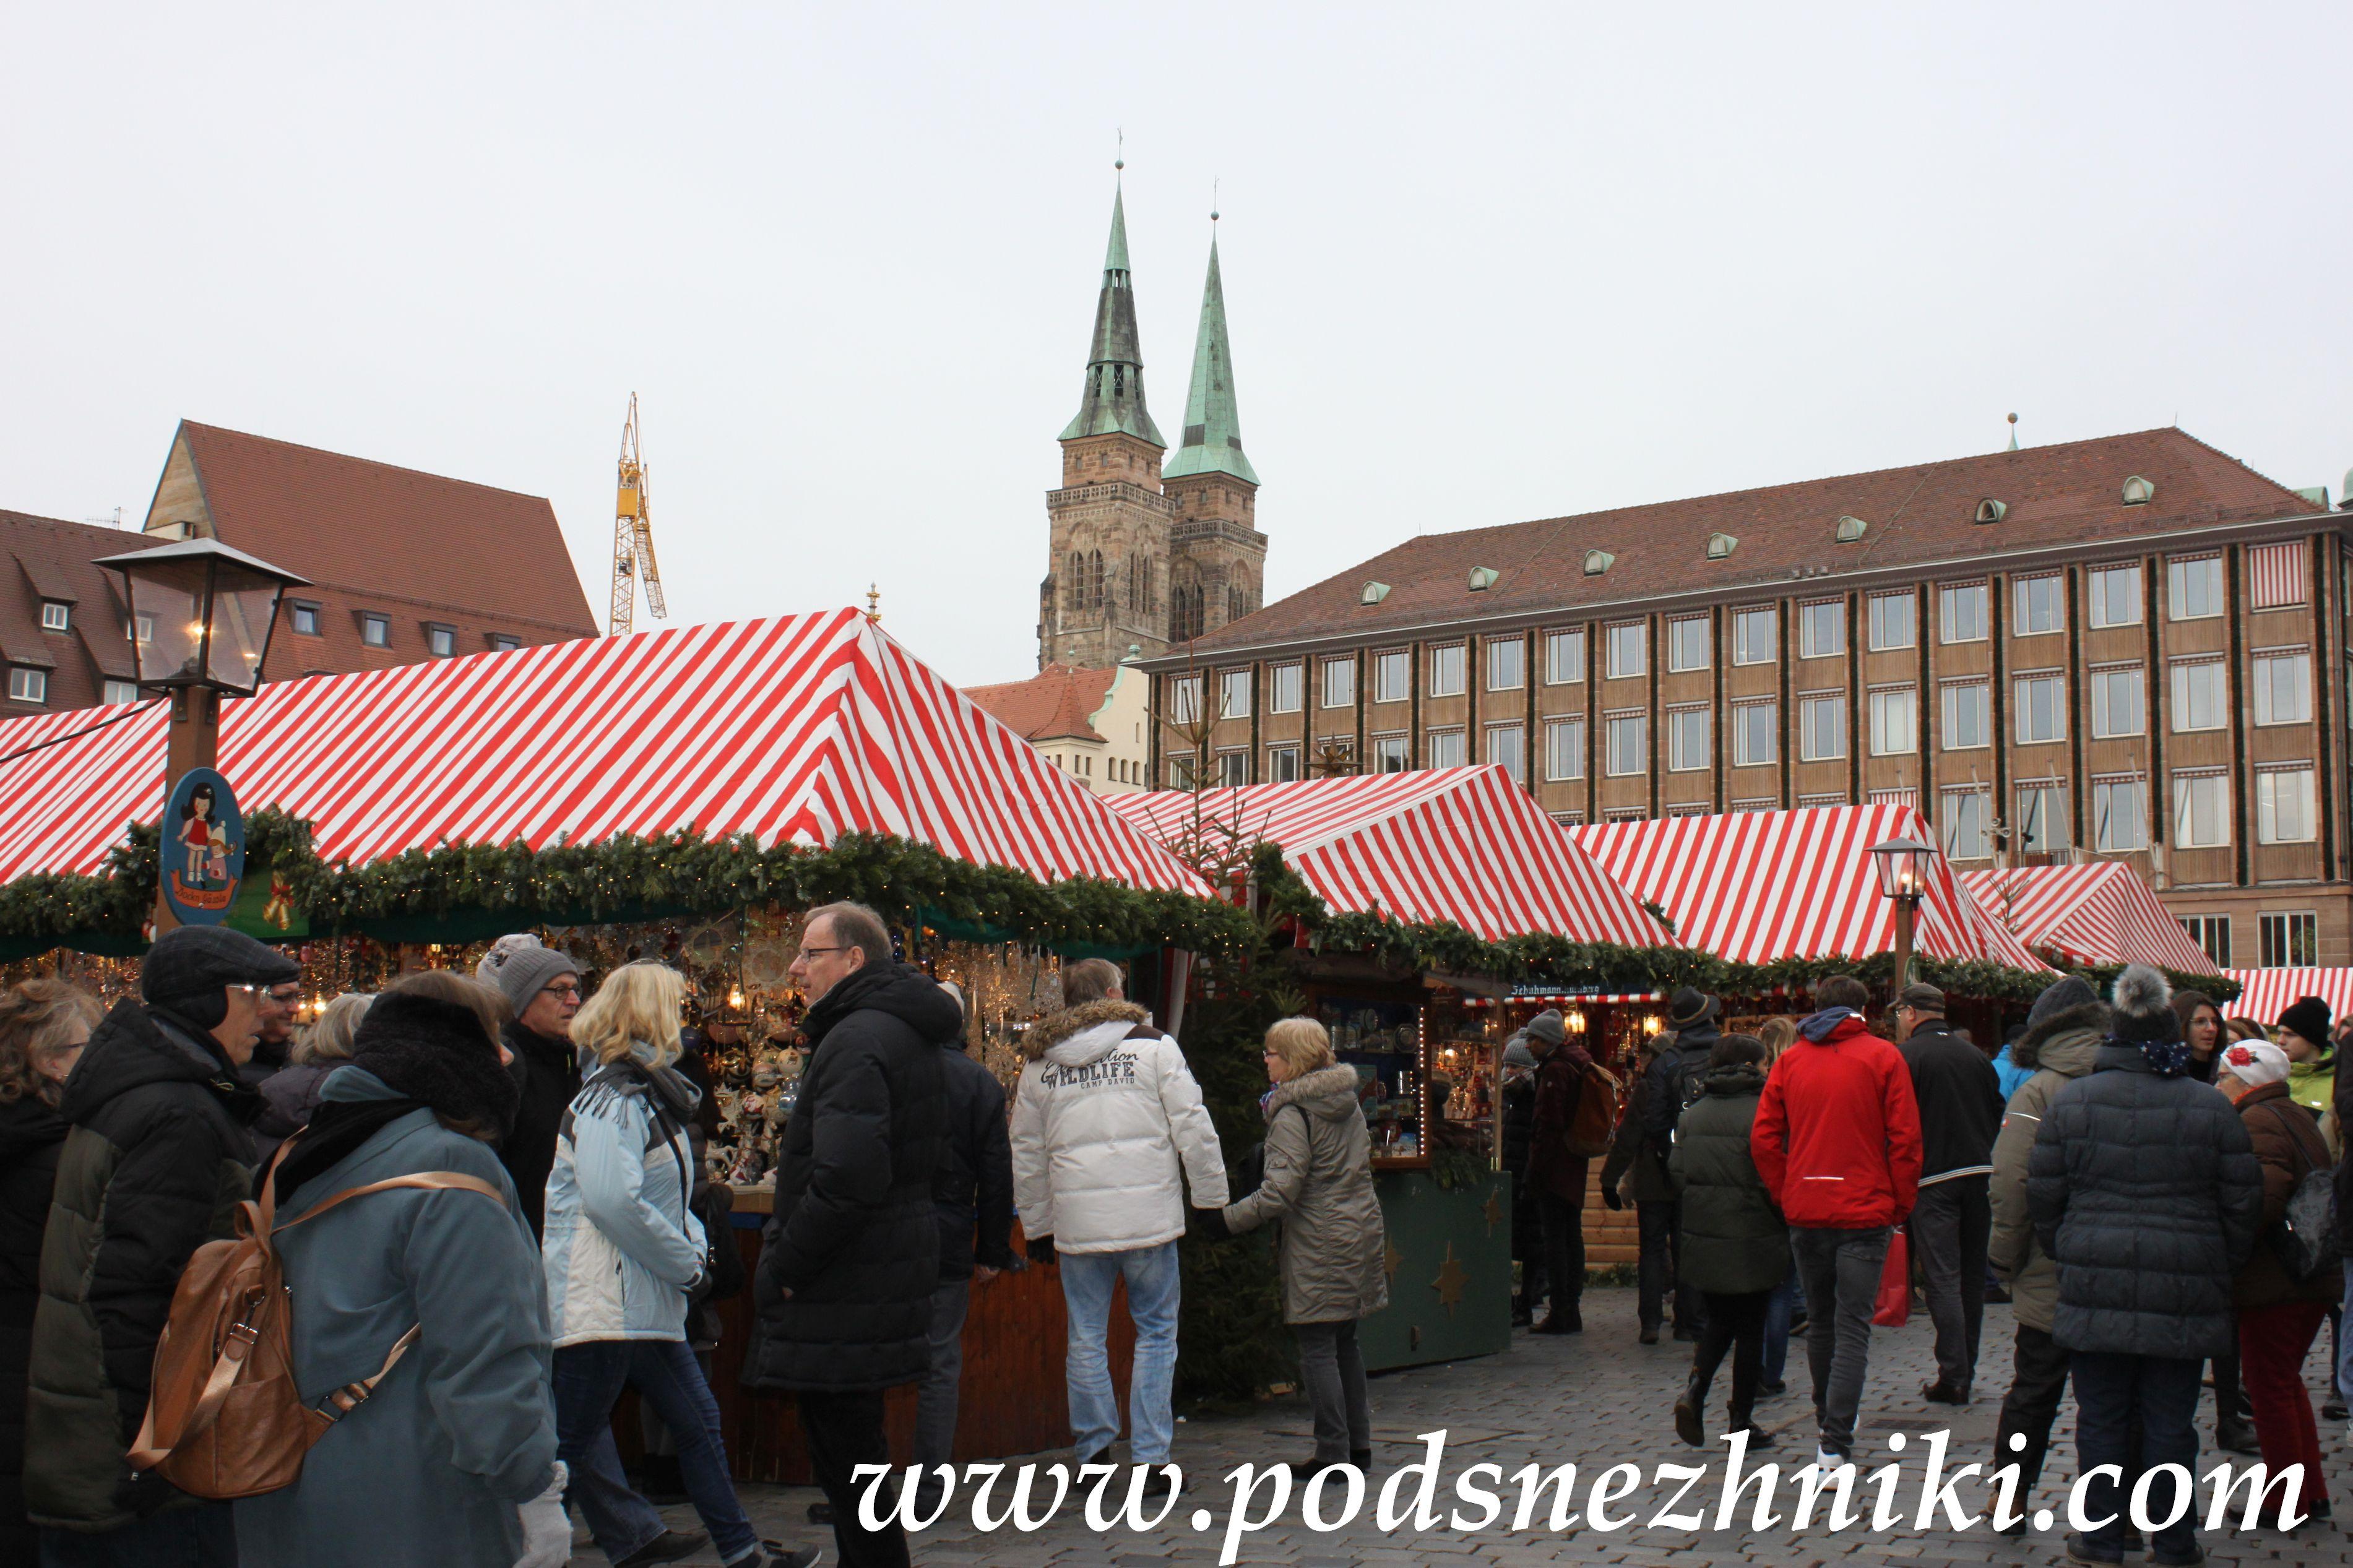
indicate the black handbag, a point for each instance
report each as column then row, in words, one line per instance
column 2305, row 1240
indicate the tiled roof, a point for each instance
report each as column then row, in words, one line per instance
column 351, row 523
column 2066, row 494
column 1055, row 704
column 46, row 558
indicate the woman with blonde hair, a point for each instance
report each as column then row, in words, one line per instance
column 1778, row 1033
column 1330, row 1247
column 43, row 1025
column 624, row 1250
column 289, row 1096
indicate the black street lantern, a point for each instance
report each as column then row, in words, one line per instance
column 1903, row 867
column 201, row 614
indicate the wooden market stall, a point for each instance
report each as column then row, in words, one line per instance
column 2264, row 993
column 2100, row 914
column 1459, row 847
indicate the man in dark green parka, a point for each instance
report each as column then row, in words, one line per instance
column 1734, row 1246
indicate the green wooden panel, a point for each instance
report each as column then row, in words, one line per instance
column 1450, row 1272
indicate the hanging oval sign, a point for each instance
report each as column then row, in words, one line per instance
column 203, row 848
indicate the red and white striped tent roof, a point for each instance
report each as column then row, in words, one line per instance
column 1464, row 844
column 2101, row 912
column 1755, row 886
column 2265, row 994
column 797, row 728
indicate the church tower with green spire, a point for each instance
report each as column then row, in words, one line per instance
column 1220, row 570
column 1107, row 585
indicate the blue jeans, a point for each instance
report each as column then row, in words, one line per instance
column 588, row 1381
column 2111, row 1392
column 1778, row 1313
column 2345, row 1343
column 1153, row 1289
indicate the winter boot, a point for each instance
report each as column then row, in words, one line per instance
column 1689, row 1426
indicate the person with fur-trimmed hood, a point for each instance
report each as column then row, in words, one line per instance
column 1108, row 1133
column 2144, row 1189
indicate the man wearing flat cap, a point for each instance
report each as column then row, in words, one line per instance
column 1960, row 1101
column 154, row 1166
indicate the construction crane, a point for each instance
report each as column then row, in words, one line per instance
column 633, row 537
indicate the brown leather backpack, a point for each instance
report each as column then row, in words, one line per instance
column 225, row 1418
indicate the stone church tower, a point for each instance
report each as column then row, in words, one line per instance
column 1136, row 558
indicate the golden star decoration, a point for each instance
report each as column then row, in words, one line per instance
column 1451, row 1277
column 1391, row 1259
column 1493, row 1213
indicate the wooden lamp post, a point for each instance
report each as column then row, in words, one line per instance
column 1903, row 866
column 201, row 616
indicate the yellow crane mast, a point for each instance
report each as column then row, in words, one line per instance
column 633, row 537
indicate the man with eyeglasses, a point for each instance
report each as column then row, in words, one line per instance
column 154, row 1166
column 542, row 987
column 274, row 1041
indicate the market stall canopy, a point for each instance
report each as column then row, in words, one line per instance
column 1757, row 886
column 1460, row 844
column 2100, row 912
column 797, row 728
column 2265, row 994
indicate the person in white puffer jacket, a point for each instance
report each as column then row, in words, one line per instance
column 1108, row 1132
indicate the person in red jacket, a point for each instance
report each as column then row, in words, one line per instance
column 1837, row 1140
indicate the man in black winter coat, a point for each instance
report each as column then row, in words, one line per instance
column 972, row 1192
column 542, row 987
column 1676, row 1077
column 1960, row 1115
column 154, row 1166
column 852, row 1254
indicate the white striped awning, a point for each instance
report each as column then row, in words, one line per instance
column 1755, row 886
column 1463, row 845
column 2265, row 994
column 797, row 728
column 2276, row 575
column 2099, row 912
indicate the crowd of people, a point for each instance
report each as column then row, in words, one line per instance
column 2148, row 1181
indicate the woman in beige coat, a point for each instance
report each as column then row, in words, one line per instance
column 1318, row 1189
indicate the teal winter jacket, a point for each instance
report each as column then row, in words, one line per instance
column 622, row 1241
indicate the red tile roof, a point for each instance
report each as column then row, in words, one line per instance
column 2067, row 494
column 370, row 528
column 44, row 558
column 1052, row 705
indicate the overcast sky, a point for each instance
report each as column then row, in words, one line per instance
column 1480, row 265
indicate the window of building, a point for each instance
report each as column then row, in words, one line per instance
column 2276, row 575
column 2118, row 703
column 2041, row 817
column 1446, row 671
column 28, row 685
column 1902, row 794
column 1895, row 722
column 1687, row 643
column 1283, row 764
column 1821, row 727
column 1507, row 664
column 1392, row 753
column 1754, row 632
column 2114, row 596
column 376, row 631
column 1339, row 683
column 501, row 643
column 1447, row 749
column 2200, row 700
column 55, row 616
column 2283, row 688
column 1185, row 699
column 1233, row 694
column 1233, row 768
column 2193, row 588
column 1285, row 683
column 441, row 642
column 1180, row 773
column 139, row 628
column 1569, row 819
column 2041, row 702
column 1687, row 749
column 1563, row 656
column 2201, row 810
column 1565, row 749
column 1967, row 823
column 1629, row 739
column 1892, row 622
column 2283, row 806
column 1755, row 733
column 2042, row 604
column 1392, row 676
column 1507, row 748
column 1816, row 801
column 1761, row 803
column 2119, row 816
column 118, row 691
column 1961, row 613
column 1821, row 629
column 1969, row 715
column 2290, row 939
column 1629, row 655
column 2212, row 935
column 304, row 619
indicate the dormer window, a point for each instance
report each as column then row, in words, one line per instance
column 304, row 617
column 55, row 616
column 1991, row 511
column 1720, row 545
column 1596, row 562
column 2138, row 491
column 1482, row 578
column 1851, row 528
column 1374, row 594
column 139, row 629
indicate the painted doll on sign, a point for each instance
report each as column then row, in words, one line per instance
column 197, row 830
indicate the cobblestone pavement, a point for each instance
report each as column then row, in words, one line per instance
column 1594, row 1400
